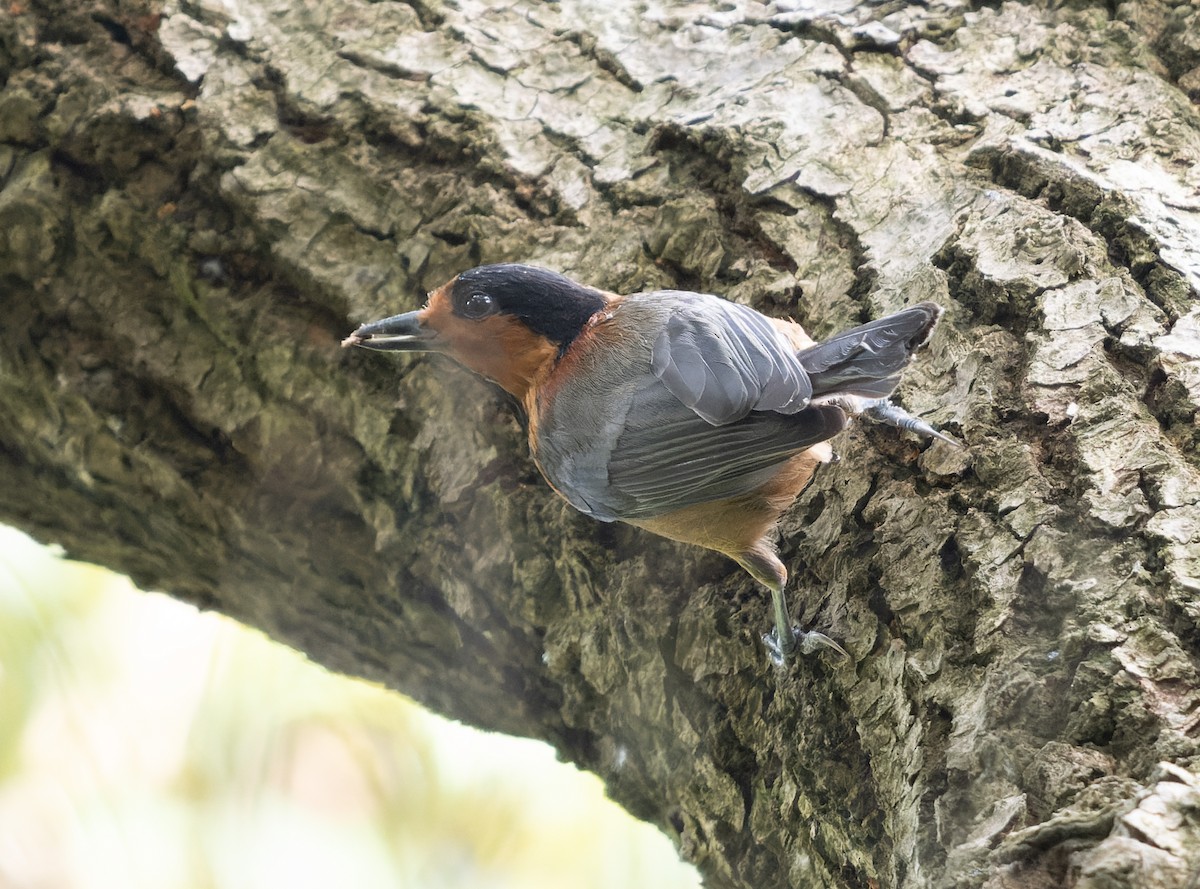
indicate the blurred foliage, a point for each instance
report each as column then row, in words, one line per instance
column 143, row 744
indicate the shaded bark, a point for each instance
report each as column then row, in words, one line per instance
column 197, row 204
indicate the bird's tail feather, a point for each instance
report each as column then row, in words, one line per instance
column 866, row 361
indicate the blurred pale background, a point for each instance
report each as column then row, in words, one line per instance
column 144, row 745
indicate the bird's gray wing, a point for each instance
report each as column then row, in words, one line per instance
column 666, row 459
column 664, row 456
column 719, row 406
column 723, row 360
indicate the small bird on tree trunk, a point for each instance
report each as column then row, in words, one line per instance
column 682, row 413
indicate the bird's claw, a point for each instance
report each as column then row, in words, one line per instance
column 883, row 410
column 812, row 641
column 807, row 641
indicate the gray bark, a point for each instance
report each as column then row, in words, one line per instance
column 199, row 199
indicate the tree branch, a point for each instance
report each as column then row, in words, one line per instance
column 197, row 205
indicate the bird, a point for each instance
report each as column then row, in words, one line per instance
column 681, row 413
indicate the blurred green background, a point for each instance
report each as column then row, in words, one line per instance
column 145, row 745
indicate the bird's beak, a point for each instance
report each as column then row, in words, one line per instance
column 400, row 333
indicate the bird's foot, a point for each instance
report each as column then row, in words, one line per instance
column 882, row 410
column 806, row 641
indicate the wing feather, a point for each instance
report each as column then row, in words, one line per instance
column 662, row 464
column 723, row 360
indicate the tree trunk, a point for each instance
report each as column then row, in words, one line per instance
column 200, row 199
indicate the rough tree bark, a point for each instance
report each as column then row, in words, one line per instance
column 200, row 197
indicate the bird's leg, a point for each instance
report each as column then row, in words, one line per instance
column 883, row 410
column 762, row 563
column 781, row 641
column 784, row 636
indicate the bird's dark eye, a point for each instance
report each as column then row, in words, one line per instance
column 478, row 305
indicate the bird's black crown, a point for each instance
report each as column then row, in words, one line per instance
column 549, row 304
